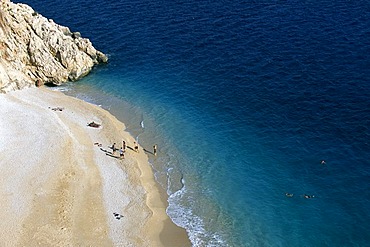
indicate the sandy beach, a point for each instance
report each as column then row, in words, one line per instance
column 60, row 185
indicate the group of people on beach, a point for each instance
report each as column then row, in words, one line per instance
column 122, row 150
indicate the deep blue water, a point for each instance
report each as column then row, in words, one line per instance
column 244, row 98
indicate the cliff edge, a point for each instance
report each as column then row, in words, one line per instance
column 34, row 50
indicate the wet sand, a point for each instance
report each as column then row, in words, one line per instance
column 60, row 184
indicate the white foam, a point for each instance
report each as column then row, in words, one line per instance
column 184, row 217
column 63, row 88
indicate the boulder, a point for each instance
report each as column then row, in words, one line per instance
column 35, row 50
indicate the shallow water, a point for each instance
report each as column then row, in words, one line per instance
column 244, row 100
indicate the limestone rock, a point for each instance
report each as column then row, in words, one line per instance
column 35, row 50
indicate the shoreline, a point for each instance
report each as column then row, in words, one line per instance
column 81, row 189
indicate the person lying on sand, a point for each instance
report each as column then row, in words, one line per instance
column 57, row 108
column 93, row 124
column 118, row 216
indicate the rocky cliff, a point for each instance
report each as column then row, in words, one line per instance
column 35, row 50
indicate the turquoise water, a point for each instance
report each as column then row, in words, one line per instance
column 244, row 99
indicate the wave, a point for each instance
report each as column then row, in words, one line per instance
column 184, row 217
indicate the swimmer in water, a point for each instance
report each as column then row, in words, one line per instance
column 308, row 196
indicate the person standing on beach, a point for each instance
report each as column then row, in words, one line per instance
column 121, row 153
column 114, row 148
column 124, row 145
column 136, row 147
column 155, row 150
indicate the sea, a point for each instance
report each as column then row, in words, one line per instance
column 260, row 110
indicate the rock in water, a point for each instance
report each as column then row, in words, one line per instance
column 35, row 50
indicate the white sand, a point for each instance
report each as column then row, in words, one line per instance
column 59, row 189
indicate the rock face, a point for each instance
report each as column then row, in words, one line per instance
column 35, row 50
